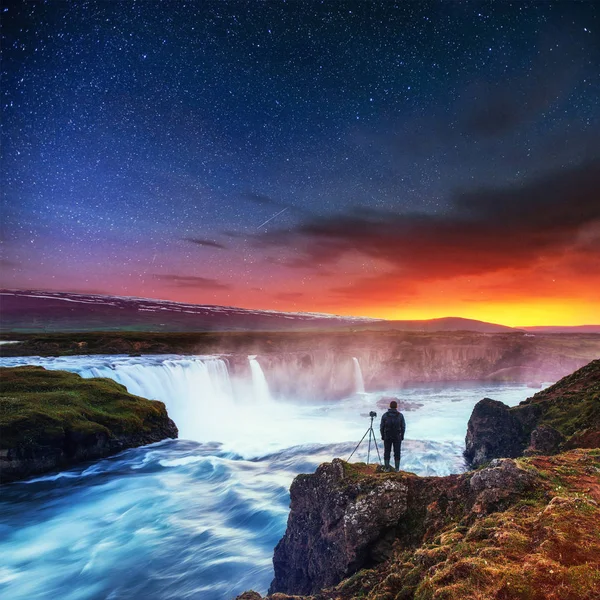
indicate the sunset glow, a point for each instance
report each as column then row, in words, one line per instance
column 355, row 158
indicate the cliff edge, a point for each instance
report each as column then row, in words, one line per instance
column 561, row 417
column 521, row 527
column 54, row 419
column 525, row 528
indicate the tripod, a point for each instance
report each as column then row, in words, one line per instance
column 371, row 437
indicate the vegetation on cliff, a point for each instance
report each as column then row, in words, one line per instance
column 544, row 546
column 563, row 416
column 50, row 419
column 572, row 406
column 522, row 528
column 526, row 529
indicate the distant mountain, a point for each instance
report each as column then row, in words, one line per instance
column 443, row 324
column 565, row 329
column 35, row 311
column 39, row 311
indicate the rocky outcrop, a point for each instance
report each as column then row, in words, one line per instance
column 563, row 416
column 346, row 517
column 518, row 528
column 55, row 419
column 524, row 528
column 494, row 430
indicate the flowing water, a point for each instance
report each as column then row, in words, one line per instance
column 199, row 517
column 359, row 382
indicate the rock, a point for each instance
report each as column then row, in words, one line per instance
column 502, row 481
column 336, row 525
column 55, row 419
column 250, row 595
column 403, row 405
column 564, row 416
column 544, row 440
column 493, row 431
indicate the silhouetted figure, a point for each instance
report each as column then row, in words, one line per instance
column 392, row 430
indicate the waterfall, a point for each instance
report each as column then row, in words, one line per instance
column 259, row 382
column 359, row 383
column 197, row 391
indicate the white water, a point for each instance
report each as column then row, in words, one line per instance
column 359, row 382
column 208, row 405
column 200, row 519
column 259, row 382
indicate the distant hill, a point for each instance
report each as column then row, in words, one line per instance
column 39, row 311
column 443, row 324
column 565, row 329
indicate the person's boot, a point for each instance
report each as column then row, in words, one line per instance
column 386, row 465
column 397, row 465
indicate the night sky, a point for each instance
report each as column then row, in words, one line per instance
column 400, row 160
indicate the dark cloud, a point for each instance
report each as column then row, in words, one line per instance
column 192, row 281
column 493, row 109
column 208, row 243
column 8, row 264
column 287, row 296
column 487, row 230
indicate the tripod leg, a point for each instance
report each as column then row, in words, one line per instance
column 369, row 450
column 377, row 448
column 357, row 445
column 372, row 433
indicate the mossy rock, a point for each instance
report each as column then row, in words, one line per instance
column 51, row 419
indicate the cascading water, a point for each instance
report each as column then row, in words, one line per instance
column 194, row 517
column 359, row 382
column 195, row 390
column 259, row 381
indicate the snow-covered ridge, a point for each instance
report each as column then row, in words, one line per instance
column 154, row 305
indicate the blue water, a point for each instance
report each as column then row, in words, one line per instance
column 195, row 518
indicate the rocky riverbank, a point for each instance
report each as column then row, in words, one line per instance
column 525, row 527
column 54, row 419
column 303, row 365
column 565, row 415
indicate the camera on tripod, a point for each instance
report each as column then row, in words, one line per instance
column 372, row 439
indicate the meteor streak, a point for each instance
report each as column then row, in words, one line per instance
column 280, row 212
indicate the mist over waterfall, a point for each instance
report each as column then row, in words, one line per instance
column 359, row 382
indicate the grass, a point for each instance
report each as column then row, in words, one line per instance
column 545, row 546
column 38, row 406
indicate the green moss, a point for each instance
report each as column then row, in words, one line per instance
column 37, row 406
column 573, row 404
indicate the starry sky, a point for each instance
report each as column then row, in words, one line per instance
column 401, row 160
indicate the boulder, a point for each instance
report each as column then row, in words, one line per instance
column 544, row 440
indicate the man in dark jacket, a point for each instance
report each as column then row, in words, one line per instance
column 392, row 433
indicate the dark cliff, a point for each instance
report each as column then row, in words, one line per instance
column 347, row 517
column 565, row 415
column 302, row 364
column 522, row 528
column 54, row 419
column 525, row 528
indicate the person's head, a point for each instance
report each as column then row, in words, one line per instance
column 393, row 404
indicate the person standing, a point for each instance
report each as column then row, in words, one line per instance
column 392, row 430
